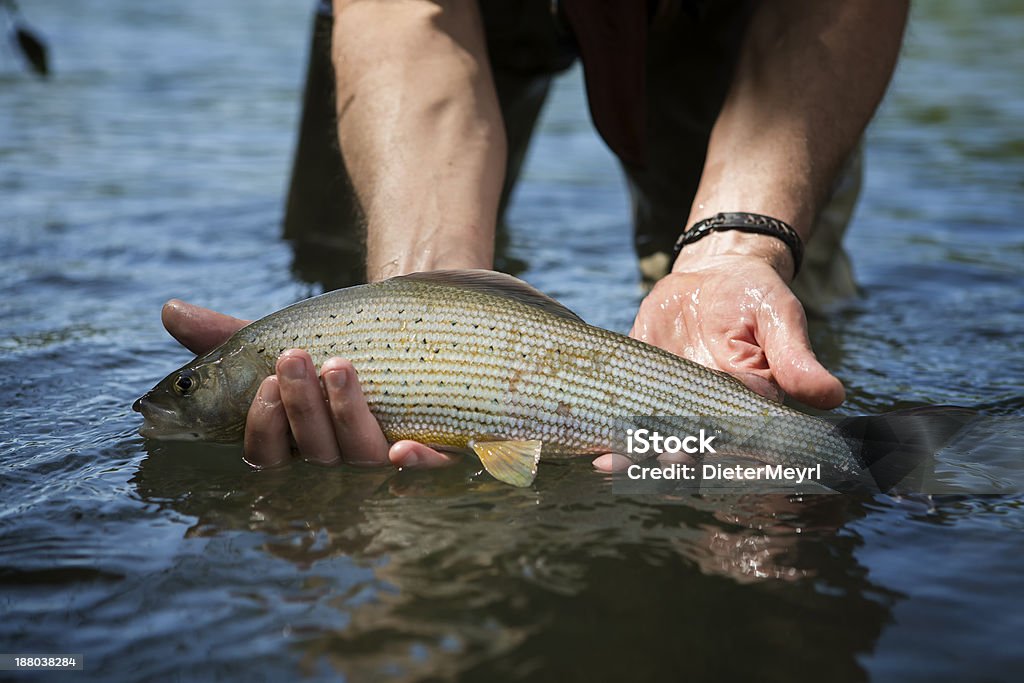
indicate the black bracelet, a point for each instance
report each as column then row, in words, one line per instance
column 745, row 222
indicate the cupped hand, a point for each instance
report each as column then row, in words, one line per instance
column 325, row 415
column 735, row 313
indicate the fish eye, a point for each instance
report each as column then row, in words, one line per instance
column 184, row 383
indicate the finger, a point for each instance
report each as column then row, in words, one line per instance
column 414, row 454
column 760, row 385
column 308, row 415
column 358, row 435
column 792, row 361
column 196, row 328
column 612, row 462
column 267, row 442
column 680, row 458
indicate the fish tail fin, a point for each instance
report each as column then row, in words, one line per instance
column 892, row 445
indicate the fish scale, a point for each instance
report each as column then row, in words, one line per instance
column 457, row 359
column 432, row 375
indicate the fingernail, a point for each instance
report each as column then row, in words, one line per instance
column 336, row 379
column 292, row 368
column 403, row 455
column 270, row 393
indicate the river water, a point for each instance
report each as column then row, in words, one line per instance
column 153, row 164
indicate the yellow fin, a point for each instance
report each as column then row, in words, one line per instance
column 513, row 462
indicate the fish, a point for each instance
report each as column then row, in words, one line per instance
column 479, row 361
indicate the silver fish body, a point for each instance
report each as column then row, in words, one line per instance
column 463, row 357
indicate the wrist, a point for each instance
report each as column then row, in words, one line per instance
column 717, row 248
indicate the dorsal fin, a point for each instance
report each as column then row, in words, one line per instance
column 494, row 283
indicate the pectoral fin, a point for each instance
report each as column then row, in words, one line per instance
column 513, row 462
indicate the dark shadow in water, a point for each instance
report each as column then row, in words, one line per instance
column 565, row 579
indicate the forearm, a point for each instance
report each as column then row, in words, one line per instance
column 420, row 131
column 809, row 77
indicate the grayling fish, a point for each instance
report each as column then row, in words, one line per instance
column 480, row 360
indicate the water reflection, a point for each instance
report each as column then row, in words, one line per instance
column 121, row 193
column 457, row 573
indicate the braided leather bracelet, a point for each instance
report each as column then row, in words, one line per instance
column 744, row 222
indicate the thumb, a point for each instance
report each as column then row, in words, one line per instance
column 196, row 328
column 791, row 359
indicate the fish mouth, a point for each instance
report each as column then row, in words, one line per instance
column 161, row 423
column 151, row 431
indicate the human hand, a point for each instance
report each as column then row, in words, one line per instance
column 734, row 312
column 290, row 405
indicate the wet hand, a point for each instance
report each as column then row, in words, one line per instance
column 736, row 313
column 325, row 416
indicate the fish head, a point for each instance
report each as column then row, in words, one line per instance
column 205, row 400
